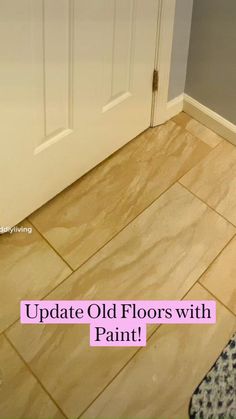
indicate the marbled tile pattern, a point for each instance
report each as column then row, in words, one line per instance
column 214, row 180
column 160, row 255
column 159, row 381
column 220, row 278
column 83, row 218
column 29, row 269
column 197, row 129
column 133, row 243
column 21, row 396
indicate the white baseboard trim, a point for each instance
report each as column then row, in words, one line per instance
column 174, row 106
column 210, row 118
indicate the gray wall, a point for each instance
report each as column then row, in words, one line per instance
column 211, row 74
column 182, row 27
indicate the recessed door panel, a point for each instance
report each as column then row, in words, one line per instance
column 57, row 40
column 52, row 23
column 121, row 54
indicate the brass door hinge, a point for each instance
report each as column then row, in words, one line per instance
column 155, row 81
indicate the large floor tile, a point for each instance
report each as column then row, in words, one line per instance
column 159, row 255
column 159, row 381
column 72, row 371
column 214, row 180
column 21, row 396
column 29, row 269
column 84, row 217
column 197, row 129
column 220, row 278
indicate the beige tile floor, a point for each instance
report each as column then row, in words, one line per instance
column 157, row 220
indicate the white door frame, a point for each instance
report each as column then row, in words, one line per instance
column 166, row 20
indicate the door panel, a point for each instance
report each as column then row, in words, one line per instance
column 57, row 65
column 52, row 49
column 118, row 80
column 76, row 85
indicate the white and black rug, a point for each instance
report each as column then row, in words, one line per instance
column 215, row 397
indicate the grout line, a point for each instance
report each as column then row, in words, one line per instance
column 123, row 228
column 116, row 234
column 39, row 299
column 119, row 372
column 46, row 240
column 100, row 248
column 223, row 139
column 213, row 209
column 148, row 339
column 74, row 270
column 108, row 384
column 9, row 327
column 196, row 136
column 216, row 257
column 154, row 331
column 178, row 180
column 217, row 299
column 182, row 130
column 135, row 354
column 91, row 256
column 34, row 375
column 157, row 329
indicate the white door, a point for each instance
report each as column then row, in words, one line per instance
column 75, row 85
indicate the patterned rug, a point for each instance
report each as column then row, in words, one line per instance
column 215, row 397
